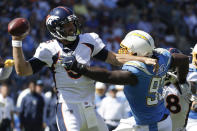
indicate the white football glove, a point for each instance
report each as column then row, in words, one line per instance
column 172, row 77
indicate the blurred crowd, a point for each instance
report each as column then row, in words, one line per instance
column 172, row 23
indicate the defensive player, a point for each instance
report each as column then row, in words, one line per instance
column 143, row 86
column 192, row 118
column 75, row 109
column 193, row 65
column 192, row 78
column 177, row 99
column 192, row 74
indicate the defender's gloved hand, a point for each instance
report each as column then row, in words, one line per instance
column 170, row 78
column 69, row 62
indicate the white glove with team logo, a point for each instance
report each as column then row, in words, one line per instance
column 171, row 77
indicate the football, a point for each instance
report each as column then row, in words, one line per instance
column 18, row 26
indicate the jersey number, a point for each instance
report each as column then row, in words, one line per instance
column 173, row 103
column 154, row 95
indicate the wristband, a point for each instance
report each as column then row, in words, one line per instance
column 16, row 43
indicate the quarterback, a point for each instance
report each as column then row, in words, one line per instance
column 143, row 87
column 75, row 92
column 192, row 78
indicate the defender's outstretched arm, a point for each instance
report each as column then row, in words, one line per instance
column 181, row 63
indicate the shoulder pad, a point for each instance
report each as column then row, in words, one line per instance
column 165, row 54
column 139, row 65
column 89, row 37
column 50, row 44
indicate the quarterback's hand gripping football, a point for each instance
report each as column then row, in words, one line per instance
column 19, row 28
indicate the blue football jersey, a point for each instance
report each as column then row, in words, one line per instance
column 145, row 98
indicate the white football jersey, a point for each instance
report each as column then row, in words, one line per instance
column 178, row 106
column 71, row 86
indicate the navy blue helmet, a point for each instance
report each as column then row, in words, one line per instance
column 56, row 20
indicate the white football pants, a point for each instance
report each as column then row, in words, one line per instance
column 130, row 125
column 79, row 117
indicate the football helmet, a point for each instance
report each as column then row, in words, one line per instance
column 56, row 20
column 138, row 43
column 194, row 56
column 173, row 50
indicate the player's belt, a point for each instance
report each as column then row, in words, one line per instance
column 164, row 117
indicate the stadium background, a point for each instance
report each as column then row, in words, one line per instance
column 172, row 23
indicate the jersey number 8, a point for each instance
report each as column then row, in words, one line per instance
column 173, row 103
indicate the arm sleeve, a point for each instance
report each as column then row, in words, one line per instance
column 102, row 55
column 5, row 72
column 44, row 54
column 96, row 41
column 36, row 64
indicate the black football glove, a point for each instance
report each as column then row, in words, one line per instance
column 69, row 62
